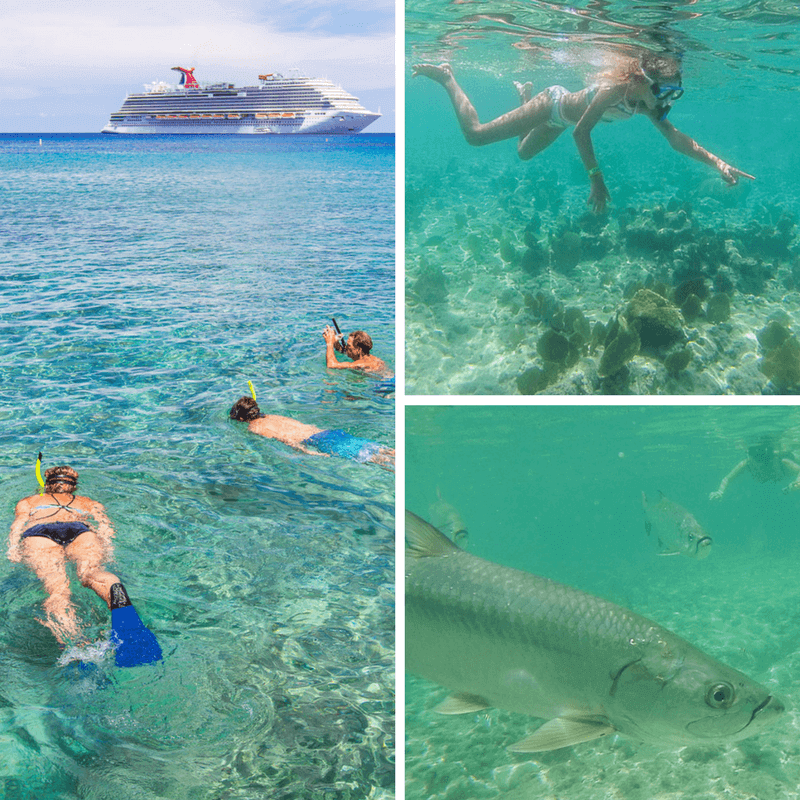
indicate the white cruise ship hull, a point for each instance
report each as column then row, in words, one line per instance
column 353, row 124
column 278, row 106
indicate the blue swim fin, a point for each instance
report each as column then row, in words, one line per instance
column 135, row 644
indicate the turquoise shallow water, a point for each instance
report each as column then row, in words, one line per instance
column 143, row 283
column 480, row 223
column 556, row 491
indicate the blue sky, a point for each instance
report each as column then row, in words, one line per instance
column 65, row 66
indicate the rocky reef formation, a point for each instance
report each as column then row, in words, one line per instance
column 672, row 296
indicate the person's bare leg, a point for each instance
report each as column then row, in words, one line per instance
column 518, row 122
column 88, row 553
column 46, row 559
column 537, row 140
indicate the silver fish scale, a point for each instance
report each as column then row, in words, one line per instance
column 500, row 601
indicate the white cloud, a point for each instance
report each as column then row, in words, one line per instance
column 43, row 42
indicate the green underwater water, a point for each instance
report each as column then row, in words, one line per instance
column 481, row 224
column 557, row 491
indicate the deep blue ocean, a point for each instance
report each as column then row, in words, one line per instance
column 483, row 227
column 557, row 491
column 143, row 282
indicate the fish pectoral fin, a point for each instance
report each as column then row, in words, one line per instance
column 665, row 551
column 462, row 704
column 562, row 732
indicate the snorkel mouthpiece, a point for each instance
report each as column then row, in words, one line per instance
column 39, row 477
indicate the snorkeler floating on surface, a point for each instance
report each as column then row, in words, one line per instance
column 356, row 347
column 647, row 85
column 305, row 437
column 52, row 528
column 767, row 464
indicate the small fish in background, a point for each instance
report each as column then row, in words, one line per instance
column 446, row 519
column 677, row 531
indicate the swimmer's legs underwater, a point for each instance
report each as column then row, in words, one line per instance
column 47, row 559
column 135, row 643
column 517, row 123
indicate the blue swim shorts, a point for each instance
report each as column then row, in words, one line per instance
column 341, row 443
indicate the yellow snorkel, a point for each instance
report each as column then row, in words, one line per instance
column 252, row 390
column 39, row 473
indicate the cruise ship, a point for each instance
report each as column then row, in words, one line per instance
column 277, row 105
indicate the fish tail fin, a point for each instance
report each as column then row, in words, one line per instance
column 422, row 539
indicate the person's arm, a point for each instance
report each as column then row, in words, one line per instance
column 104, row 530
column 687, row 146
column 795, row 484
column 726, row 480
column 329, row 335
column 15, row 535
column 304, row 449
column 604, row 99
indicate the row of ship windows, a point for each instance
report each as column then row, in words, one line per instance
column 285, row 117
column 253, row 104
column 301, row 97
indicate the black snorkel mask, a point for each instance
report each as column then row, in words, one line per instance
column 665, row 93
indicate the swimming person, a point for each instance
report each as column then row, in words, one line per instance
column 54, row 527
column 647, row 85
column 767, row 463
column 357, row 348
column 305, row 437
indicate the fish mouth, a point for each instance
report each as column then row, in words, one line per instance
column 772, row 704
column 717, row 727
column 703, row 547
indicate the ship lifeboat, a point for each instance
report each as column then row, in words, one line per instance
column 288, row 114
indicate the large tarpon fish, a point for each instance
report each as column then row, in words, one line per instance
column 499, row 637
column 677, row 531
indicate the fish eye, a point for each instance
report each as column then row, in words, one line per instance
column 720, row 695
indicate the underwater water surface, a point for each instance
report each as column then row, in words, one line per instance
column 557, row 492
column 143, row 283
column 508, row 275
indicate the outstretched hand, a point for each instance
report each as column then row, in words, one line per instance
column 329, row 334
column 731, row 175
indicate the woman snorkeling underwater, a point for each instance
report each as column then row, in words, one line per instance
column 646, row 85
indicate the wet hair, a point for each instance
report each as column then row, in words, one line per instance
column 245, row 409
column 361, row 341
column 661, row 68
column 61, row 480
column 635, row 66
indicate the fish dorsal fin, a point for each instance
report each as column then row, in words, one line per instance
column 423, row 540
column 462, row 704
column 562, row 732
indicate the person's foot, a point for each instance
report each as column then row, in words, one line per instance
column 440, row 73
column 525, row 91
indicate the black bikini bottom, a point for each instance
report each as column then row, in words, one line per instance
column 62, row 533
